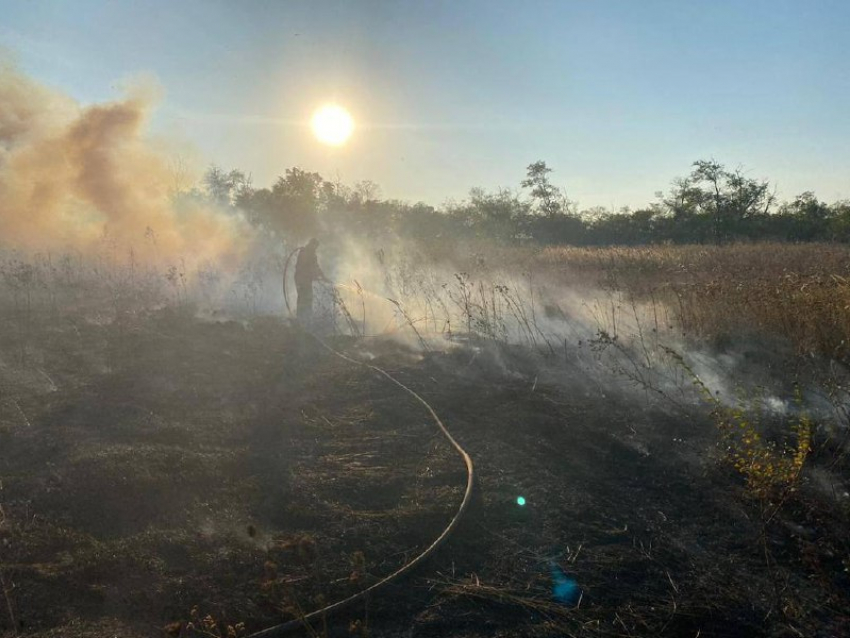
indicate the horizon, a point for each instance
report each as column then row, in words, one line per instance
column 617, row 100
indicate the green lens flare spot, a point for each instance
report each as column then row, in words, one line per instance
column 520, row 500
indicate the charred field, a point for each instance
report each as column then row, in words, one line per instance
column 168, row 472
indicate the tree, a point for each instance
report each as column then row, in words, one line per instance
column 367, row 191
column 500, row 215
column 806, row 218
column 548, row 199
column 730, row 198
column 290, row 207
column 224, row 188
column 839, row 223
column 623, row 227
column 554, row 222
column 726, row 203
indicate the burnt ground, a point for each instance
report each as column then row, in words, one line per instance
column 161, row 469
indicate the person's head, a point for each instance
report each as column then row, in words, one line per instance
column 313, row 244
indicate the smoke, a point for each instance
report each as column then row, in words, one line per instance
column 81, row 178
column 72, row 177
column 591, row 337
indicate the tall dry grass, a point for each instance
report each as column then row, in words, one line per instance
column 798, row 292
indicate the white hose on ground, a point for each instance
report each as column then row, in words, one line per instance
column 303, row 622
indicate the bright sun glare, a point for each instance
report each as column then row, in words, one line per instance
column 332, row 125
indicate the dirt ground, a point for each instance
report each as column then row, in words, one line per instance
column 165, row 469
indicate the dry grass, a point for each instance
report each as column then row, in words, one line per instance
column 289, row 447
column 797, row 292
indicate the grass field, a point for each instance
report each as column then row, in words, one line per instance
column 797, row 292
column 170, row 466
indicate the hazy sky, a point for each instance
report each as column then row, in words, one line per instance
column 617, row 97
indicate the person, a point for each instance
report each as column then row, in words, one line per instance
column 307, row 271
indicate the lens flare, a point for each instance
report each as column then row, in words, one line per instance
column 520, row 500
column 332, row 125
column 564, row 589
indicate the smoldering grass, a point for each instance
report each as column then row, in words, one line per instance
column 410, row 323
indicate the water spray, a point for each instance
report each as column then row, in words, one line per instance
column 340, row 302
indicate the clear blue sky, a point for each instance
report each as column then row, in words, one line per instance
column 618, row 97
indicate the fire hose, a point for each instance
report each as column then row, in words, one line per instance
column 302, row 622
column 285, row 271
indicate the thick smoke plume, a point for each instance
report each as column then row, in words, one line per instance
column 73, row 176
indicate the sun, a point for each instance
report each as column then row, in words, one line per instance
column 332, row 125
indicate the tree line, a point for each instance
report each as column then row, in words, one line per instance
column 712, row 204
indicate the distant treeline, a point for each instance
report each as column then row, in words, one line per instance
column 711, row 205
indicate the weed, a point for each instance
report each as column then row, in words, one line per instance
column 767, row 466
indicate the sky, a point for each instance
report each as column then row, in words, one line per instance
column 618, row 97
